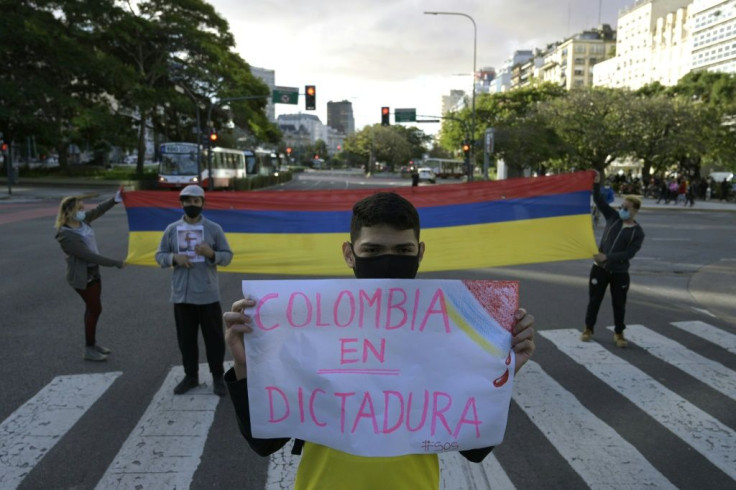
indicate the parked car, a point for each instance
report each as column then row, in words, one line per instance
column 427, row 174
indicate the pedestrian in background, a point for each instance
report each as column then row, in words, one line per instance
column 690, row 193
column 724, row 189
column 83, row 261
column 622, row 238
column 195, row 246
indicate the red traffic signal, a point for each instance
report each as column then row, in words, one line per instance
column 310, row 92
column 288, row 150
column 4, row 147
column 385, row 113
column 213, row 137
column 466, row 149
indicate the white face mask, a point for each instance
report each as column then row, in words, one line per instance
column 80, row 215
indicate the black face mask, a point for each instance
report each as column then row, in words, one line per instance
column 193, row 211
column 386, row 266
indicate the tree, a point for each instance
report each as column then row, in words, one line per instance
column 519, row 138
column 592, row 126
column 52, row 80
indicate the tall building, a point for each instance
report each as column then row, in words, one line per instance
column 340, row 117
column 714, row 35
column 502, row 81
column 451, row 102
column 269, row 78
column 570, row 63
column 639, row 38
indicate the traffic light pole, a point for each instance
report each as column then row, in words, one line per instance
column 210, row 180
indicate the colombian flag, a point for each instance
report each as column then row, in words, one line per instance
column 465, row 226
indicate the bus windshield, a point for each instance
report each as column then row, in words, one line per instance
column 179, row 163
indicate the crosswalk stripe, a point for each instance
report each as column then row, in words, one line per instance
column 30, row 432
column 714, row 440
column 165, row 448
column 568, row 425
column 710, row 333
column 712, row 373
column 282, row 469
column 457, row 473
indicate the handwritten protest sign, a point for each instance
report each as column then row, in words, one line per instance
column 381, row 367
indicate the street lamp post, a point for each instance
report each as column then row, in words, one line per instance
column 184, row 89
column 475, row 43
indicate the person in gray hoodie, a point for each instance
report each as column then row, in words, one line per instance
column 621, row 240
column 83, row 261
column 194, row 246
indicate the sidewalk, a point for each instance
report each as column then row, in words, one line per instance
column 31, row 190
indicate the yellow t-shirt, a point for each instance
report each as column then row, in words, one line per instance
column 323, row 468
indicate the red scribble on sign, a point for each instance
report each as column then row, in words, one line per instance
column 501, row 380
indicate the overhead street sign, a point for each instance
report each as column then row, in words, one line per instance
column 285, row 95
column 405, row 115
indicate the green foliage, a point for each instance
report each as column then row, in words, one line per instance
column 392, row 145
column 260, row 181
column 96, row 73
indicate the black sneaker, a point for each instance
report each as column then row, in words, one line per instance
column 218, row 385
column 186, row 384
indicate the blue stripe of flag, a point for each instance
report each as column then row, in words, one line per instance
column 244, row 221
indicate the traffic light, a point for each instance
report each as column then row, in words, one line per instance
column 311, row 97
column 466, row 149
column 385, row 113
column 288, row 150
column 213, row 137
column 4, row 147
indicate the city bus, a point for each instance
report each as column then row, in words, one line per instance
column 445, row 168
column 178, row 167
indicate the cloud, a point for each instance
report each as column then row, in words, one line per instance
column 356, row 47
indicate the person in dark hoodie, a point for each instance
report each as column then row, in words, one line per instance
column 83, row 261
column 384, row 243
column 622, row 238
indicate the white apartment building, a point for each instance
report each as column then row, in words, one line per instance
column 269, row 78
column 713, row 26
column 651, row 40
column 671, row 47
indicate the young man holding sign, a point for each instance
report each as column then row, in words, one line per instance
column 384, row 245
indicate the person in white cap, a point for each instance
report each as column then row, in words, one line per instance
column 195, row 290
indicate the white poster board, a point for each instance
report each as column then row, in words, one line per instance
column 187, row 239
column 381, row 367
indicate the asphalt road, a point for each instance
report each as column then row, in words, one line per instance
column 684, row 273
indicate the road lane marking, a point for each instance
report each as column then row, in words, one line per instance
column 711, row 373
column 592, row 448
column 457, row 473
column 30, row 432
column 703, row 311
column 714, row 440
column 165, row 448
column 710, row 333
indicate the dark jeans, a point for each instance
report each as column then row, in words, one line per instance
column 599, row 280
column 188, row 318
column 93, row 309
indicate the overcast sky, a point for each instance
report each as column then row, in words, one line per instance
column 387, row 53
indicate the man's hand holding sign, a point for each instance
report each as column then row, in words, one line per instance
column 377, row 376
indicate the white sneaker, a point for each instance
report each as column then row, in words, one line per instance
column 91, row 354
